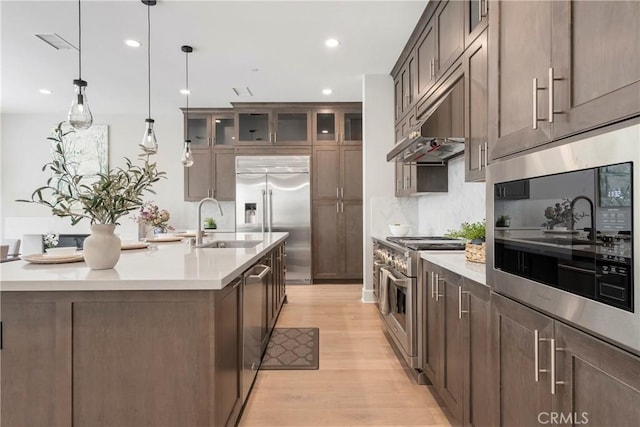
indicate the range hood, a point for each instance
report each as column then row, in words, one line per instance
column 440, row 136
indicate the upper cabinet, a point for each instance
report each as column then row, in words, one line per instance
column 582, row 72
column 332, row 126
column 476, row 19
column 474, row 63
column 273, row 126
column 209, row 129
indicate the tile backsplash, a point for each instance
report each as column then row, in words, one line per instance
column 464, row 202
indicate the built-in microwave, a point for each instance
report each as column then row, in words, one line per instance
column 561, row 227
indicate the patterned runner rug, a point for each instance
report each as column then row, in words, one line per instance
column 292, row 348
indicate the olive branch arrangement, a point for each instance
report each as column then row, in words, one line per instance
column 113, row 195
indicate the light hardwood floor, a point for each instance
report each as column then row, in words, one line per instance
column 360, row 381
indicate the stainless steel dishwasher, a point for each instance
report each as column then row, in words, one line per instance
column 254, row 321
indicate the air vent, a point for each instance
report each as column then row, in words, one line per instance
column 242, row 91
column 56, row 42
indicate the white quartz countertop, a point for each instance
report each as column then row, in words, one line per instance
column 162, row 266
column 456, row 262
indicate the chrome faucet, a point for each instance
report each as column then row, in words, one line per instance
column 200, row 233
column 592, row 231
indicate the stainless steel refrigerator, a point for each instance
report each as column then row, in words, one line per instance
column 273, row 194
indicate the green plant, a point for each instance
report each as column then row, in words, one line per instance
column 470, row 231
column 210, row 223
column 113, row 195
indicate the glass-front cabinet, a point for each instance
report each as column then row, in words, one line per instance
column 477, row 19
column 274, row 126
column 254, row 127
column 337, row 126
column 210, row 129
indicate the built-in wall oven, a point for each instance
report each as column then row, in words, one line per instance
column 396, row 265
column 572, row 212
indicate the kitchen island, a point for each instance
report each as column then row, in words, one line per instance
column 155, row 341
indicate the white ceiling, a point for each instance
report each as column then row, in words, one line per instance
column 283, row 40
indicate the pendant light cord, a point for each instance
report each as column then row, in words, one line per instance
column 149, row 54
column 187, row 74
column 79, row 41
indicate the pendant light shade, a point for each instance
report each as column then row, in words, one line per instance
column 149, row 142
column 187, row 156
column 80, row 116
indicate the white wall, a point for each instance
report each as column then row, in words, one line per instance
column 24, row 150
column 380, row 207
column 464, row 202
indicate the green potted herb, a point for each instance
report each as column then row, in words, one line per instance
column 474, row 233
column 210, row 224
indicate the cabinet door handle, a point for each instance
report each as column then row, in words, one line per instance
column 275, row 137
column 337, row 192
column 552, row 110
column 341, row 207
column 237, row 284
column 342, row 192
column 486, row 154
column 553, row 352
column 486, row 7
column 479, row 157
column 433, row 286
column 480, row 10
column 337, row 207
column 535, row 103
column 438, row 279
column 432, row 67
column 460, row 310
column 536, row 353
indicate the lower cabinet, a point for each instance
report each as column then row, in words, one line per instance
column 576, row 378
column 228, row 353
column 126, row 358
column 456, row 353
column 337, row 239
column 274, row 290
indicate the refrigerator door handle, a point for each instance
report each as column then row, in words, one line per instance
column 264, row 208
column 270, row 210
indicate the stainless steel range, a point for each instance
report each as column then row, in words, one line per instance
column 396, row 268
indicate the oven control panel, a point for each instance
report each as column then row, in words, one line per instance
column 391, row 258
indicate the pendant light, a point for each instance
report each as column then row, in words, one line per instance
column 187, row 156
column 149, row 143
column 80, row 116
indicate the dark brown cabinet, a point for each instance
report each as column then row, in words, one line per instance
column 212, row 175
column 405, row 88
column 414, row 178
column 595, row 64
column 476, row 19
column 337, row 239
column 273, row 126
column 212, row 135
column 337, row 172
column 583, row 71
column 474, row 63
column 228, row 353
column 340, row 125
column 336, row 218
column 544, row 367
column 456, row 343
column 209, row 128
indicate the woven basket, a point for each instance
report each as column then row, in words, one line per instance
column 476, row 253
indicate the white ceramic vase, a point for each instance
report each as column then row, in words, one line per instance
column 145, row 232
column 102, row 248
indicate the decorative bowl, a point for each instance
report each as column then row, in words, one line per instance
column 399, row 230
column 62, row 251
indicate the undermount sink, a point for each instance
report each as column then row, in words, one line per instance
column 231, row 244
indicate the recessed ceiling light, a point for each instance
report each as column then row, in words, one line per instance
column 327, row 91
column 132, row 43
column 218, row 121
column 331, row 43
column 45, row 91
column 185, row 91
column 325, row 131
